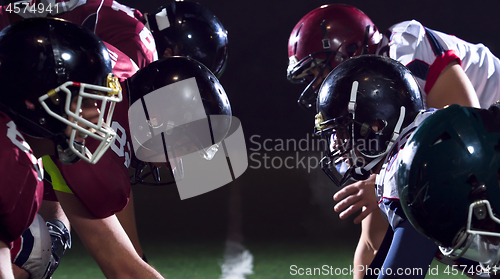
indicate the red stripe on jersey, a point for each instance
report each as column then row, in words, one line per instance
column 16, row 248
column 438, row 66
column 387, row 198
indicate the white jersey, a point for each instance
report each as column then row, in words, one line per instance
column 426, row 53
column 386, row 181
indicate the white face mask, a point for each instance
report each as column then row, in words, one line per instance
column 475, row 244
column 100, row 131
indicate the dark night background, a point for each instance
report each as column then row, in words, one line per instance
column 285, row 203
column 258, row 31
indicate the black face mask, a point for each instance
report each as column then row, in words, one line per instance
column 307, row 99
column 339, row 163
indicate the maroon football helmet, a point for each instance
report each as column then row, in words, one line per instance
column 333, row 33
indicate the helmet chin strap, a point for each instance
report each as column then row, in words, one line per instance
column 64, row 152
column 325, row 41
column 397, row 129
column 395, row 135
column 363, row 171
column 351, row 108
column 364, row 49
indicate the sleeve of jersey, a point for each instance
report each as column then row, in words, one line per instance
column 20, row 193
column 390, row 177
column 419, row 49
column 127, row 34
column 401, row 40
column 438, row 66
column 104, row 187
column 123, row 66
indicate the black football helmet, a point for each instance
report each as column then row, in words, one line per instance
column 190, row 29
column 448, row 182
column 322, row 39
column 51, row 63
column 362, row 106
column 178, row 107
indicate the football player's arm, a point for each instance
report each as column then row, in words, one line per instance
column 106, row 241
column 452, row 87
column 357, row 197
column 373, row 230
column 20, row 273
column 36, row 254
column 5, row 265
column 128, row 221
column 50, row 207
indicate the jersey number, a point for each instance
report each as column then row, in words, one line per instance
column 17, row 139
column 147, row 39
column 121, row 146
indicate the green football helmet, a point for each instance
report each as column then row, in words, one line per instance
column 448, row 182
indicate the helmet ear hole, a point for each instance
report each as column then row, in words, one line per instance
column 378, row 125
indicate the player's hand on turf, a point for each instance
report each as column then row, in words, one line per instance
column 358, row 196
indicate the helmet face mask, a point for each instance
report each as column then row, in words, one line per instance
column 156, row 174
column 79, row 127
column 298, row 70
column 69, row 72
column 329, row 35
column 312, row 71
column 480, row 240
column 363, row 105
column 342, row 149
column 455, row 160
column 178, row 111
column 337, row 142
column 152, row 169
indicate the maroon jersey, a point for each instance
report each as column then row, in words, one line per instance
column 104, row 187
column 123, row 66
column 116, row 24
column 21, row 189
column 111, row 21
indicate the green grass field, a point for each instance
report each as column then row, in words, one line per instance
column 279, row 219
column 203, row 260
